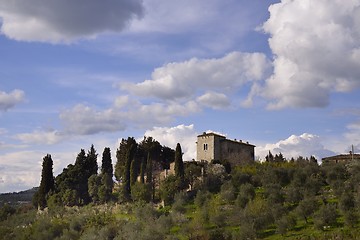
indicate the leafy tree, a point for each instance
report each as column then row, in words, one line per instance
column 179, row 164
column 326, row 216
column 192, row 173
column 245, row 195
column 47, row 183
column 141, row 192
column 6, row 211
column 285, row 223
column 306, row 208
column 94, row 184
column 168, row 188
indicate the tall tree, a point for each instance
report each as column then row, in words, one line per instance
column 106, row 164
column 106, row 176
column 269, row 157
column 149, row 168
column 91, row 162
column 130, row 147
column 47, row 181
column 179, row 164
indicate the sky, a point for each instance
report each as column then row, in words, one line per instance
column 281, row 74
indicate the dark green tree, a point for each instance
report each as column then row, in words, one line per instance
column 106, row 176
column 106, row 164
column 91, row 162
column 120, row 160
column 179, row 164
column 130, row 153
column 269, row 157
column 94, row 184
column 47, row 183
column 149, row 168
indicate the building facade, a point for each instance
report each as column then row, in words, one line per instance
column 342, row 158
column 211, row 146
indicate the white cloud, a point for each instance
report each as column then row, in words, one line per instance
column 9, row 100
column 316, row 47
column 352, row 136
column 305, row 145
column 41, row 137
column 84, row 120
column 214, row 100
column 64, row 21
column 20, row 170
column 183, row 79
column 185, row 135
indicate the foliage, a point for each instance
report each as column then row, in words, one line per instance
column 179, row 164
column 272, row 200
column 47, row 183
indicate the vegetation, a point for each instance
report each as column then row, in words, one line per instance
column 296, row 199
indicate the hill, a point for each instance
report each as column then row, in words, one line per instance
column 17, row 198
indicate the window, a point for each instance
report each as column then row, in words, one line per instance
column 205, row 146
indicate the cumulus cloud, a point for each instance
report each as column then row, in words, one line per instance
column 64, row 21
column 214, row 100
column 352, row 136
column 84, row 120
column 305, row 145
column 10, row 100
column 41, row 137
column 180, row 80
column 20, row 170
column 170, row 136
column 316, row 51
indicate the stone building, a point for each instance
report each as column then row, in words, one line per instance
column 342, row 158
column 211, row 146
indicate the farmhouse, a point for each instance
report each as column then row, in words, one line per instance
column 212, row 146
column 342, row 158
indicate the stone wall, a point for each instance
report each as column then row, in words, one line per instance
column 211, row 146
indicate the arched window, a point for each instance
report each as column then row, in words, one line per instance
column 205, row 146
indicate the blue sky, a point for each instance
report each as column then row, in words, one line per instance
column 283, row 75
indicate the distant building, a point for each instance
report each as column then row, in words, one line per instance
column 342, row 158
column 211, row 146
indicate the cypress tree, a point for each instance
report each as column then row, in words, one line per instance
column 107, row 176
column 91, row 162
column 106, row 165
column 149, row 166
column 130, row 153
column 47, row 180
column 142, row 170
column 179, row 164
column 133, row 172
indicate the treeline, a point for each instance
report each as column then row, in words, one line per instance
column 136, row 163
column 295, row 199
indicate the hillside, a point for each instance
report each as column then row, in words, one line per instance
column 273, row 200
column 17, row 198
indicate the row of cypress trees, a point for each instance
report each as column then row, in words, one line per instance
column 80, row 183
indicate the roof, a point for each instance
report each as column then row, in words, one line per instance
column 225, row 139
column 342, row 157
column 211, row 134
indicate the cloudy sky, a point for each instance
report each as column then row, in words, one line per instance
column 283, row 75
